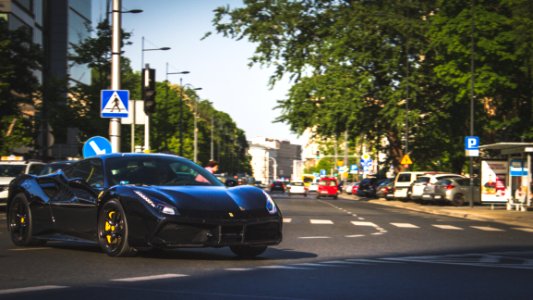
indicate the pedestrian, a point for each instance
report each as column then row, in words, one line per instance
column 212, row 166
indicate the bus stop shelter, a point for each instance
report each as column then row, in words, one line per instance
column 517, row 159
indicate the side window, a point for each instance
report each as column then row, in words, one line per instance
column 35, row 169
column 405, row 177
column 90, row 170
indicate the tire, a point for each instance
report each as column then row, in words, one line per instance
column 458, row 200
column 248, row 251
column 20, row 222
column 113, row 229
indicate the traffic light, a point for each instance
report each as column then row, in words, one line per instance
column 148, row 91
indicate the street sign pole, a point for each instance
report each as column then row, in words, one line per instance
column 114, row 123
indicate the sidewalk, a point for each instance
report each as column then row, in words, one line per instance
column 480, row 212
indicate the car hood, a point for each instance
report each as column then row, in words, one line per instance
column 211, row 200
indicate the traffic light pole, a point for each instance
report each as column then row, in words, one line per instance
column 114, row 123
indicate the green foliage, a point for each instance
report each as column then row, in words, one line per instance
column 396, row 70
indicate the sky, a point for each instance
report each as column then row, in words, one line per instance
column 217, row 64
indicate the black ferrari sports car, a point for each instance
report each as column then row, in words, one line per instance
column 130, row 202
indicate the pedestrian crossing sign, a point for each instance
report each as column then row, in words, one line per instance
column 114, row 103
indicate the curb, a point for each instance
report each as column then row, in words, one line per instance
column 435, row 211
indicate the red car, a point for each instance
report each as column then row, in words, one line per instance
column 328, row 187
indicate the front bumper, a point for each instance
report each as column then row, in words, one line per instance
column 218, row 234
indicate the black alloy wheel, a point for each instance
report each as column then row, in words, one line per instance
column 113, row 229
column 248, row 251
column 20, row 222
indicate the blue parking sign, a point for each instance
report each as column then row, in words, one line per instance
column 472, row 145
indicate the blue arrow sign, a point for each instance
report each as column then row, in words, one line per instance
column 96, row 145
column 114, row 103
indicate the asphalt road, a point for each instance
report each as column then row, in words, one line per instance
column 332, row 249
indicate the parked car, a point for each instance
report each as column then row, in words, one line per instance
column 277, row 186
column 348, row 187
column 425, row 184
column 385, row 188
column 313, row 187
column 457, row 191
column 12, row 166
column 402, row 184
column 297, row 187
column 355, row 187
column 367, row 187
column 328, row 187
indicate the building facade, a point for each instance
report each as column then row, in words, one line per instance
column 55, row 25
column 274, row 159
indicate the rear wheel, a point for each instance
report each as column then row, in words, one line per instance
column 458, row 200
column 20, row 222
column 113, row 229
column 248, row 251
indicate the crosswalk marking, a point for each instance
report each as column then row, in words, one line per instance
column 316, row 221
column 287, row 220
column 361, row 223
column 354, row 235
column 447, row 227
column 314, row 237
column 404, row 225
column 486, row 228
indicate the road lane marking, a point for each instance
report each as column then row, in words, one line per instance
column 359, row 223
column 287, row 220
column 29, row 249
column 316, row 221
column 354, row 235
column 279, row 267
column 447, row 227
column 404, row 225
column 238, row 269
column 486, row 228
column 313, row 237
column 152, row 277
column 525, row 229
column 32, row 289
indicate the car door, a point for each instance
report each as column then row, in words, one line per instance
column 76, row 214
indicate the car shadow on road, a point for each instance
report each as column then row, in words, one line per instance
column 223, row 254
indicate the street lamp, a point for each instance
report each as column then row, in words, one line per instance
column 147, row 125
column 181, row 95
column 195, row 153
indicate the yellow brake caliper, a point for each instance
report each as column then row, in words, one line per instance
column 22, row 220
column 109, row 227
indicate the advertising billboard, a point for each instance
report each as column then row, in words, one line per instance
column 493, row 181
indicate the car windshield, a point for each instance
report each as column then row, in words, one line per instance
column 158, row 170
column 9, row 170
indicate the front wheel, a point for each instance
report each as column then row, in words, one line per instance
column 248, row 251
column 113, row 229
column 20, row 222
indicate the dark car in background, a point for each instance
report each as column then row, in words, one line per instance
column 277, row 186
column 367, row 187
column 385, row 188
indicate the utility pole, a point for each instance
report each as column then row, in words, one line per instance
column 114, row 123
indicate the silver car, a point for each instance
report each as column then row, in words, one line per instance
column 424, row 186
column 457, row 191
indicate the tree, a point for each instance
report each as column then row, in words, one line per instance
column 19, row 88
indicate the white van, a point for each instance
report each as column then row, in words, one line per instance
column 403, row 181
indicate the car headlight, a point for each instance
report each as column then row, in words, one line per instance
column 162, row 207
column 270, row 205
